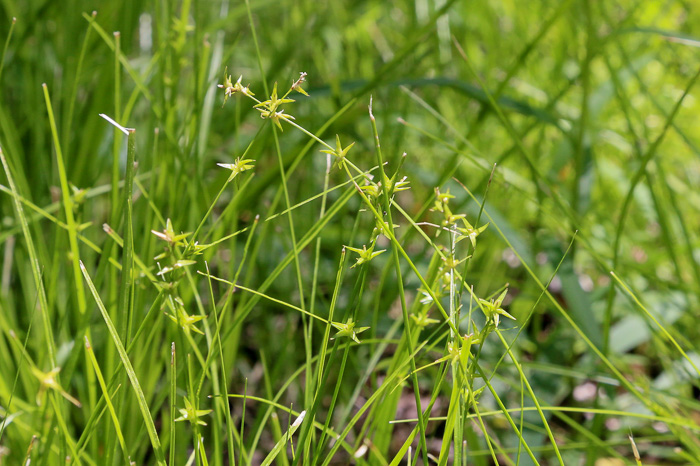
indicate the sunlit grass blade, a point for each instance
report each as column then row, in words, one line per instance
column 282, row 443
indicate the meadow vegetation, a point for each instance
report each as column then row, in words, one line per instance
column 326, row 233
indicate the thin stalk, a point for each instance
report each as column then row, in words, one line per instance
column 321, row 373
column 523, row 378
column 7, row 44
column 224, row 377
column 289, row 216
column 67, row 207
column 126, row 291
column 68, row 125
column 580, row 141
column 505, row 412
column 241, row 449
column 116, row 142
column 308, row 335
column 651, row 317
column 173, row 401
column 399, row 280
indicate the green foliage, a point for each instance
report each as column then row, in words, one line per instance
column 520, row 202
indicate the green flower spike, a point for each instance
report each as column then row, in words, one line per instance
column 339, row 152
column 239, row 166
column 493, row 310
column 191, row 414
column 268, row 108
column 348, row 330
column 366, row 255
column 169, row 235
column 47, row 380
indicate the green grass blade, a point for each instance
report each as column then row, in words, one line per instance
column 35, row 266
column 126, row 363
column 105, row 393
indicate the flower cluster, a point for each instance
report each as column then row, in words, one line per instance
column 178, row 254
column 191, row 414
column 339, row 153
column 375, row 193
column 230, row 88
column 348, row 329
column 269, row 109
column 237, row 167
column 459, row 229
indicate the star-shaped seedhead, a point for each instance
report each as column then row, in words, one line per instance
column 276, row 117
column 269, row 108
column 238, row 166
column 47, row 381
column 366, row 255
column 183, row 319
column 339, row 152
column 195, row 249
column 493, row 310
column 470, row 232
column 348, row 329
column 372, row 190
column 188, row 413
column 393, row 187
column 423, row 320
